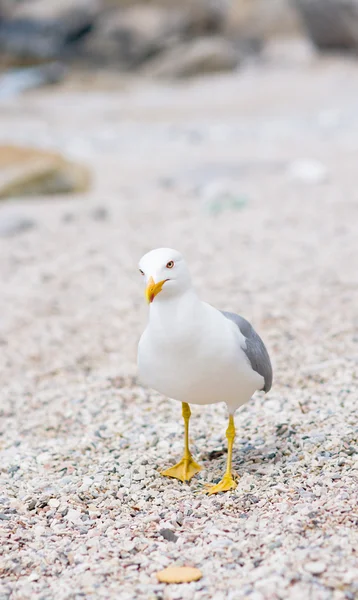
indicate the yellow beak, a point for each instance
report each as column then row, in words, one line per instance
column 153, row 289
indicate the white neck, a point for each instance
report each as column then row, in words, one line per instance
column 175, row 315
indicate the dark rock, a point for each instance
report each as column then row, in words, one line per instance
column 330, row 24
column 42, row 30
column 169, row 535
column 197, row 57
column 251, row 499
column 257, row 562
column 214, row 454
column 4, row 517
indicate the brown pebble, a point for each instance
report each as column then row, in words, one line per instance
column 179, row 575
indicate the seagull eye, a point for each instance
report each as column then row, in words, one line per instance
column 141, row 272
column 170, row 264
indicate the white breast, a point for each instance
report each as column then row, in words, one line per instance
column 200, row 360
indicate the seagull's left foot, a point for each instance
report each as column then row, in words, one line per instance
column 184, row 470
column 225, row 485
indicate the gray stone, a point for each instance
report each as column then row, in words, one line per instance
column 168, row 534
column 331, row 24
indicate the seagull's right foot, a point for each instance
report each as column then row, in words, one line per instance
column 184, row 470
column 225, row 485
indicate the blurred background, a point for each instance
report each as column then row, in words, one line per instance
column 225, row 128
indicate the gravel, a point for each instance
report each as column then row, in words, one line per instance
column 83, row 509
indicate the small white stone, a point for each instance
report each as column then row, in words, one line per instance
column 315, row 567
column 54, row 503
column 43, row 458
column 87, row 481
column 140, row 475
column 73, row 515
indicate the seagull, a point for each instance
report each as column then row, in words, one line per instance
column 196, row 354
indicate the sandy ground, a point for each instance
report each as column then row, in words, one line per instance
column 212, row 168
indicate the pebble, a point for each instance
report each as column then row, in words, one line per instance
column 54, row 503
column 139, row 475
column 87, row 481
column 73, row 515
column 316, row 568
column 168, row 534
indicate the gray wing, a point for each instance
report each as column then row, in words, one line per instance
column 255, row 349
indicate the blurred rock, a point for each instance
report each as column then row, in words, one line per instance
column 243, row 17
column 16, row 81
column 197, row 57
column 40, row 30
column 12, row 224
column 331, row 24
column 202, row 16
column 260, row 19
column 127, row 33
column 126, row 38
column 29, row 171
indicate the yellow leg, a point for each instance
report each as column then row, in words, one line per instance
column 227, row 483
column 187, row 467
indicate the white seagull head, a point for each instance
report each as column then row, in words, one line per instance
column 166, row 274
